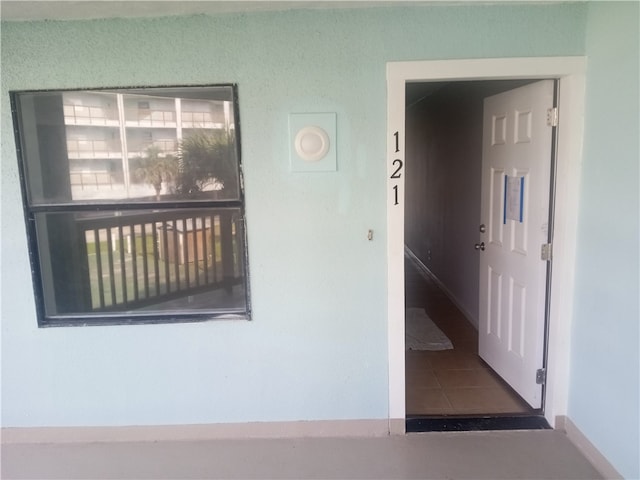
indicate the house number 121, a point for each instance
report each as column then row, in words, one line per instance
column 397, row 164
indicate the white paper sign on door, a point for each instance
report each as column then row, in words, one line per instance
column 513, row 198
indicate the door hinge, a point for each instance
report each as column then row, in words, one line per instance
column 541, row 376
column 552, row 117
column 546, row 252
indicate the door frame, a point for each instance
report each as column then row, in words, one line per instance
column 570, row 71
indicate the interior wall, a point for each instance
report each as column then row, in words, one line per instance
column 443, row 184
column 316, row 348
column 604, row 391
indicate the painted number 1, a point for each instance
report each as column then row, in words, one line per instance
column 397, row 163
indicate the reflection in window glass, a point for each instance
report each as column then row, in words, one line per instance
column 165, row 261
column 134, row 207
column 153, row 145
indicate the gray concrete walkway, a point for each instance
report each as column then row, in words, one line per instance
column 468, row 455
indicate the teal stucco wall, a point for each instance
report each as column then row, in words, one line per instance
column 316, row 348
column 605, row 364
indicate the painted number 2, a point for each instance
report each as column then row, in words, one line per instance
column 396, row 173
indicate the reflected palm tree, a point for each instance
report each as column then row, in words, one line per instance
column 207, row 161
column 154, row 168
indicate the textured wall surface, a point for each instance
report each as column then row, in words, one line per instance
column 317, row 346
column 605, row 365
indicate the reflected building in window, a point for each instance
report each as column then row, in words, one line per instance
column 108, row 132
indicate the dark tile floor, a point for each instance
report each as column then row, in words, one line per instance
column 451, row 382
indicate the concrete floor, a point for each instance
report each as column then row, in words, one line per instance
column 469, row 455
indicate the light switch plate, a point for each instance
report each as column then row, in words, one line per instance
column 312, row 142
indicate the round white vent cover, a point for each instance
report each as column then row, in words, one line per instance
column 311, row 143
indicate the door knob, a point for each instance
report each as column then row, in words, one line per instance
column 483, row 228
column 479, row 246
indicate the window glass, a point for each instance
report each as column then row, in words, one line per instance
column 134, row 204
column 162, row 145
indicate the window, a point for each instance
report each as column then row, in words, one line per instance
column 134, row 215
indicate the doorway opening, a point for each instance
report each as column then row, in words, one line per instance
column 450, row 384
column 570, row 72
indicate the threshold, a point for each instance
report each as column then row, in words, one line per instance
column 416, row 424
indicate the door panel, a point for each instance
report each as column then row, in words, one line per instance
column 516, row 170
column 496, row 197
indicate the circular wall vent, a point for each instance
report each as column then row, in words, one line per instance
column 312, row 143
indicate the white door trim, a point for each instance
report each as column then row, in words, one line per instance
column 571, row 73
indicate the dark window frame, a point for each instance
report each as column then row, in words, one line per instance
column 30, row 211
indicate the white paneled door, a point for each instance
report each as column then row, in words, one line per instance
column 516, row 180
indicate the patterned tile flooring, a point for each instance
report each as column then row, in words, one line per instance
column 451, row 382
